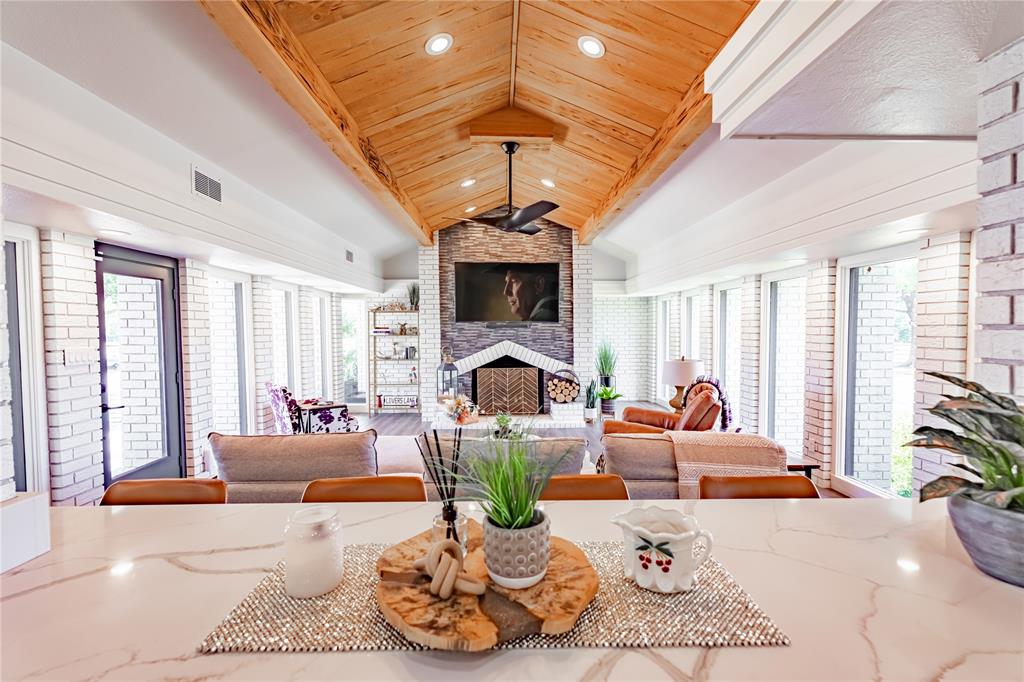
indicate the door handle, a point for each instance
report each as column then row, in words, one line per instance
column 108, row 408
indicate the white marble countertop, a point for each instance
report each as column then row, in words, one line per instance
column 866, row 589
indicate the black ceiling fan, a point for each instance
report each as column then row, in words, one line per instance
column 519, row 220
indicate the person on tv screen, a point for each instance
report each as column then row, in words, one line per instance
column 531, row 292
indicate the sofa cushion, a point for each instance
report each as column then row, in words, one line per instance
column 301, row 457
column 640, row 456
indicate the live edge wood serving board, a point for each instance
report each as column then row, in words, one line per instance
column 472, row 623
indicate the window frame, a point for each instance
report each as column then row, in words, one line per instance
column 323, row 299
column 764, row 378
column 717, row 347
column 248, row 349
column 847, row 485
column 363, row 407
column 33, row 369
column 292, row 334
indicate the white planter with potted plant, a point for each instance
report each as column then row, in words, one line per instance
column 988, row 510
column 590, row 405
column 507, row 480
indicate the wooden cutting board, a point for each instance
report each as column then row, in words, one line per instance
column 472, row 623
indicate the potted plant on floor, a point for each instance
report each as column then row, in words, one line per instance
column 506, row 480
column 590, row 406
column 605, row 365
column 988, row 510
column 607, row 394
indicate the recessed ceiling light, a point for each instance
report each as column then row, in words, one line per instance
column 468, row 183
column 547, row 183
column 106, row 232
column 438, row 44
column 470, row 209
column 591, row 46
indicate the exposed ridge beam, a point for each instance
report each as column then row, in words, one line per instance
column 262, row 35
column 515, row 46
column 687, row 121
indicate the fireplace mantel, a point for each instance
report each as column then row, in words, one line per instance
column 512, row 349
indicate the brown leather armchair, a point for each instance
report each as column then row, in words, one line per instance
column 700, row 414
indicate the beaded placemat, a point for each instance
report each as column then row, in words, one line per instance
column 716, row 613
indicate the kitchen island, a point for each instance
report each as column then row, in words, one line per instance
column 865, row 589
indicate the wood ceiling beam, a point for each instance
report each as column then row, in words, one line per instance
column 528, row 129
column 687, row 121
column 260, row 33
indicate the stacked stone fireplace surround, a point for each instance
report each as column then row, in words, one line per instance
column 563, row 341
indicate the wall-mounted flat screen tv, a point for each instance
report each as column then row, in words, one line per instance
column 506, row 292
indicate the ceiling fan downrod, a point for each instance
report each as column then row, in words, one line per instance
column 510, row 147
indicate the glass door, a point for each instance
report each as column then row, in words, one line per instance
column 140, row 364
column 354, row 341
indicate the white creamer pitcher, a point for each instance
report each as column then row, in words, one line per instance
column 662, row 548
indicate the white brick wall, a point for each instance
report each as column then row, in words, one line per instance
column 628, row 322
column 941, row 320
column 308, row 344
column 999, row 334
column 820, row 361
column 71, row 322
column 6, row 422
column 750, row 352
column 430, row 330
column 193, row 281
column 583, row 311
column 224, row 336
column 790, row 357
column 263, row 329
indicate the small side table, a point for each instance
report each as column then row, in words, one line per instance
column 805, row 465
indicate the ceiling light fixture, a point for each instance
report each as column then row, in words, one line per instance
column 438, row 44
column 470, row 209
column 591, row 47
column 547, row 183
column 468, row 183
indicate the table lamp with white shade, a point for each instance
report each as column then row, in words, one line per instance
column 680, row 373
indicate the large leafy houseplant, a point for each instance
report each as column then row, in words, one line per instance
column 607, row 358
column 987, row 510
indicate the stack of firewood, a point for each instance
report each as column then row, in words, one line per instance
column 563, row 390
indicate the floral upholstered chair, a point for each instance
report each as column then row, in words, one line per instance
column 287, row 417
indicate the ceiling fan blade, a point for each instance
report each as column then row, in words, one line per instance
column 529, row 229
column 526, row 215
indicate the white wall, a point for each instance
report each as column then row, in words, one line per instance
column 628, row 323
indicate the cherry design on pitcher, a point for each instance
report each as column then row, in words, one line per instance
column 662, row 555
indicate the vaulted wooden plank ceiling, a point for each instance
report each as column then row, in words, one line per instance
column 402, row 116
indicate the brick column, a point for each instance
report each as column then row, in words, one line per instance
column 583, row 312
column 999, row 336
column 6, row 420
column 750, row 377
column 263, row 352
column 820, row 362
column 306, row 369
column 430, row 330
column 943, row 275
column 193, row 280
column 71, row 336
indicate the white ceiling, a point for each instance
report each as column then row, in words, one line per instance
column 907, row 69
column 166, row 64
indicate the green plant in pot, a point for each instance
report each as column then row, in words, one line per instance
column 987, row 510
column 503, row 420
column 605, row 364
column 590, row 405
column 506, row 479
column 608, row 395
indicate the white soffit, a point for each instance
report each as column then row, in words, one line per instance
column 167, row 65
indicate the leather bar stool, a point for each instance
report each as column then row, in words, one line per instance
column 166, row 491
column 755, row 487
column 366, row 489
column 585, row 487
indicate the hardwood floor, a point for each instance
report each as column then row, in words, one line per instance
column 410, row 424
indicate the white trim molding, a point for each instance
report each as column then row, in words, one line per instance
column 777, row 40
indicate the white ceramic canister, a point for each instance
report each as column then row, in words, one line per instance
column 314, row 552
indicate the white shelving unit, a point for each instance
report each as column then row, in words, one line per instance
column 382, row 345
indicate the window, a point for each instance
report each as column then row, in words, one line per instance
column 664, row 342
column 230, row 347
column 283, row 346
column 353, row 352
column 782, row 383
column 691, row 338
column 320, row 360
column 876, row 389
column 728, row 338
column 14, row 365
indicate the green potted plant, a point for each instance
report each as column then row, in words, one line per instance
column 987, row 510
column 503, row 420
column 605, row 365
column 414, row 295
column 607, row 394
column 506, row 480
column 590, row 406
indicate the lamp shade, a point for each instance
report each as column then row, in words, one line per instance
column 681, row 372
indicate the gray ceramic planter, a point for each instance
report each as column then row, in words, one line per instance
column 994, row 538
column 517, row 558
